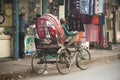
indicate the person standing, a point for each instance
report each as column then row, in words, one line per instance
column 22, row 33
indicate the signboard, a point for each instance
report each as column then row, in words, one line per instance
column 29, row 44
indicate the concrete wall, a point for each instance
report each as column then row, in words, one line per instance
column 118, row 24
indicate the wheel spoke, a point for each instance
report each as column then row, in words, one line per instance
column 83, row 59
column 63, row 62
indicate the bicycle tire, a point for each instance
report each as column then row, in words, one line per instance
column 63, row 62
column 38, row 62
column 83, row 59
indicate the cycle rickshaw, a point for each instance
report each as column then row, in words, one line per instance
column 51, row 48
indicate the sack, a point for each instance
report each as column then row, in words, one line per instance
column 79, row 36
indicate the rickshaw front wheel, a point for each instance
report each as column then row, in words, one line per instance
column 83, row 59
column 63, row 62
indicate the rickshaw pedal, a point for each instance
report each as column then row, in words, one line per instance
column 67, row 65
column 77, row 65
column 65, row 42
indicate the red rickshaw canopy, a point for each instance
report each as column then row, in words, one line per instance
column 41, row 27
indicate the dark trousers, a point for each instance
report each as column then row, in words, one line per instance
column 21, row 44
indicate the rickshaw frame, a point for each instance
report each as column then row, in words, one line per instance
column 59, row 52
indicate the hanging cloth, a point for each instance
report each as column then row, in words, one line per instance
column 95, row 19
column 80, row 25
column 101, row 20
column 92, row 33
column 100, row 6
column 91, row 7
column 103, row 40
column 83, row 18
column 96, row 6
column 89, row 19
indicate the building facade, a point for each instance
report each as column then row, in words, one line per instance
column 9, row 20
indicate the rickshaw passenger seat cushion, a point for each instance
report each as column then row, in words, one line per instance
column 46, row 43
column 41, row 41
column 51, row 46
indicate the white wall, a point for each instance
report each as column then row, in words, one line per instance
column 61, row 11
column 5, row 43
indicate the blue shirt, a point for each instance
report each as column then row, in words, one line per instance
column 22, row 25
column 67, row 33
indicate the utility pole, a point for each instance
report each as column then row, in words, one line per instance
column 15, row 30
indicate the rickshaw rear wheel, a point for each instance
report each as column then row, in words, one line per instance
column 38, row 62
column 63, row 62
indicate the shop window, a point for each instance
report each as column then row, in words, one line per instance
column 34, row 9
column 1, row 6
column 8, row 1
column 6, row 31
column 53, row 7
column 6, row 17
column 5, row 13
column 61, row 2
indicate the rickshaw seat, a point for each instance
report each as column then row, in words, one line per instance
column 41, row 44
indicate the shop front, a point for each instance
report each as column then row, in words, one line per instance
column 32, row 8
column 6, row 18
column 55, row 7
column 9, row 23
column 91, row 14
column 9, row 20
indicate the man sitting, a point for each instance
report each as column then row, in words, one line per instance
column 71, row 36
